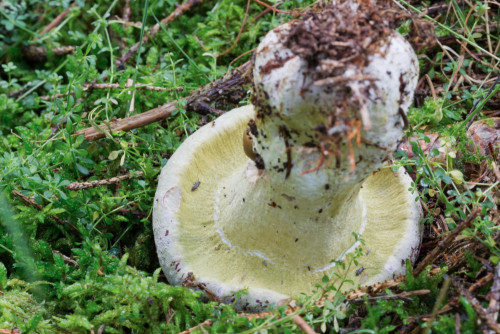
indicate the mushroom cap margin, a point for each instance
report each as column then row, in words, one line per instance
column 190, row 178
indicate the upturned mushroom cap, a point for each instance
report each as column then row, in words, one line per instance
column 266, row 198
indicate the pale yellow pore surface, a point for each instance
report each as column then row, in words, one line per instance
column 231, row 238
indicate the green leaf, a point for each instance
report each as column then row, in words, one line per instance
column 82, row 169
column 442, row 175
column 113, row 155
column 3, row 276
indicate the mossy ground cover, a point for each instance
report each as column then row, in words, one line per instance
column 83, row 260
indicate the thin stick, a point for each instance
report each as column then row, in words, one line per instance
column 446, row 241
column 265, row 11
column 57, row 20
column 192, row 329
column 31, row 202
column 276, row 10
column 403, row 295
column 479, row 104
column 154, row 30
column 242, row 55
column 126, row 11
column 236, row 78
column 197, row 102
column 67, row 259
column 128, row 85
column 437, row 304
column 431, row 86
column 303, row 325
column 91, row 86
column 494, row 294
column 483, row 281
column 104, row 182
column 125, row 124
column 9, row 331
column 39, row 53
column 481, row 312
column 239, row 32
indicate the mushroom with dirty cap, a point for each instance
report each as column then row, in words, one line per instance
column 273, row 214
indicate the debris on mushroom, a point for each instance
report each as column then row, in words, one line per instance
column 275, row 213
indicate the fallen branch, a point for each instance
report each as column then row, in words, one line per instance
column 136, row 213
column 481, row 312
column 118, row 86
column 400, row 296
column 31, row 202
column 39, row 53
column 424, row 317
column 126, row 11
column 104, row 182
column 129, row 123
column 154, row 30
column 239, row 32
column 229, row 86
column 446, row 241
column 494, row 295
column 92, row 86
column 67, row 259
column 303, row 325
column 10, row 331
column 192, row 329
column 482, row 282
column 55, row 22
column 373, row 289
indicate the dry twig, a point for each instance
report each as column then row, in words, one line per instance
column 481, row 312
column 39, row 53
column 229, row 86
column 239, row 32
column 31, row 202
column 497, row 81
column 125, row 124
column 105, row 182
column 192, row 329
column 494, row 295
column 10, row 331
column 67, row 259
column 126, row 11
column 91, row 86
column 128, row 85
column 55, row 22
column 400, row 296
column 446, row 241
column 482, row 282
column 303, row 325
column 154, row 30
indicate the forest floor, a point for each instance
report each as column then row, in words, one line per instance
column 95, row 96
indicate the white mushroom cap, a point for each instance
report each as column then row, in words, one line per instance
column 274, row 225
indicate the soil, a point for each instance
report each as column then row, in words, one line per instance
column 332, row 36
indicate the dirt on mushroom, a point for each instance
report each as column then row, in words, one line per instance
column 333, row 38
